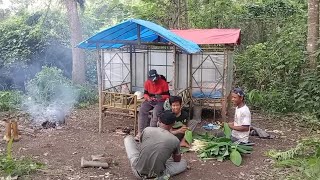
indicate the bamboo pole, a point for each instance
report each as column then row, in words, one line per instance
column 103, row 72
column 174, row 71
column 230, row 75
column 131, row 63
column 224, row 93
column 135, row 116
column 99, row 86
column 190, row 85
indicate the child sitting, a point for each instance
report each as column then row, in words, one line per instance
column 182, row 123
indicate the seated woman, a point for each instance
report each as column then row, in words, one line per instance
column 182, row 123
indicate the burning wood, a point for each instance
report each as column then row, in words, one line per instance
column 50, row 118
column 48, row 124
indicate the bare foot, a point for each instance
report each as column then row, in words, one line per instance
column 183, row 143
column 137, row 138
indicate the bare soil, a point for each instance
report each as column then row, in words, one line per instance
column 61, row 150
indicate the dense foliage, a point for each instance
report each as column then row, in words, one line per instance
column 11, row 166
column 50, row 86
column 305, row 158
column 270, row 62
column 9, row 100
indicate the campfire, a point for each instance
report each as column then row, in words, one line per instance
column 48, row 124
column 49, row 118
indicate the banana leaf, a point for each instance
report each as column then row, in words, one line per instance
column 188, row 136
column 235, row 157
column 227, row 130
column 177, row 125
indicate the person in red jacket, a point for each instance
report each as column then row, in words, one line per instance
column 156, row 91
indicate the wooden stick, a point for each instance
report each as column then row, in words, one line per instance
column 85, row 164
column 22, row 129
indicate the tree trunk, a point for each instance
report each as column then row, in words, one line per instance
column 313, row 32
column 78, row 63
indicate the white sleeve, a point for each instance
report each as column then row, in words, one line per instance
column 245, row 118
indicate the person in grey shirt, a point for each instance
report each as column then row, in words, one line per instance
column 158, row 154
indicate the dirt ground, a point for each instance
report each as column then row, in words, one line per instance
column 61, row 150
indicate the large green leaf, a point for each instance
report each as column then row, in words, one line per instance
column 226, row 153
column 245, row 147
column 243, row 151
column 188, row 136
column 223, row 139
column 215, row 151
column 223, row 144
column 235, row 157
column 177, row 125
column 211, row 146
column 226, row 130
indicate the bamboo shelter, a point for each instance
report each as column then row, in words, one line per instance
column 127, row 51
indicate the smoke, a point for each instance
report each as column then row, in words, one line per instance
column 54, row 110
column 50, row 97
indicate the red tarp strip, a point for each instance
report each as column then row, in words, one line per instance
column 210, row 36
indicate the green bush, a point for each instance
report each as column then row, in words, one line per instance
column 305, row 158
column 50, row 85
column 9, row 100
column 272, row 71
column 307, row 96
column 86, row 96
column 16, row 167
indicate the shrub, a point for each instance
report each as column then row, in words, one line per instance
column 307, row 96
column 272, row 71
column 86, row 95
column 305, row 157
column 17, row 167
column 49, row 85
column 9, row 100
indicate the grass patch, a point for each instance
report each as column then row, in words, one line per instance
column 10, row 166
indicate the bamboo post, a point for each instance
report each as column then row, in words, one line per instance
column 135, row 116
column 138, row 34
column 224, row 93
column 190, row 85
column 174, row 71
column 99, row 86
column 103, row 72
column 230, row 72
column 131, row 65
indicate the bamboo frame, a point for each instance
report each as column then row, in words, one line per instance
column 112, row 98
column 186, row 97
column 121, row 101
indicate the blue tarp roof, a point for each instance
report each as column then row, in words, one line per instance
column 127, row 31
